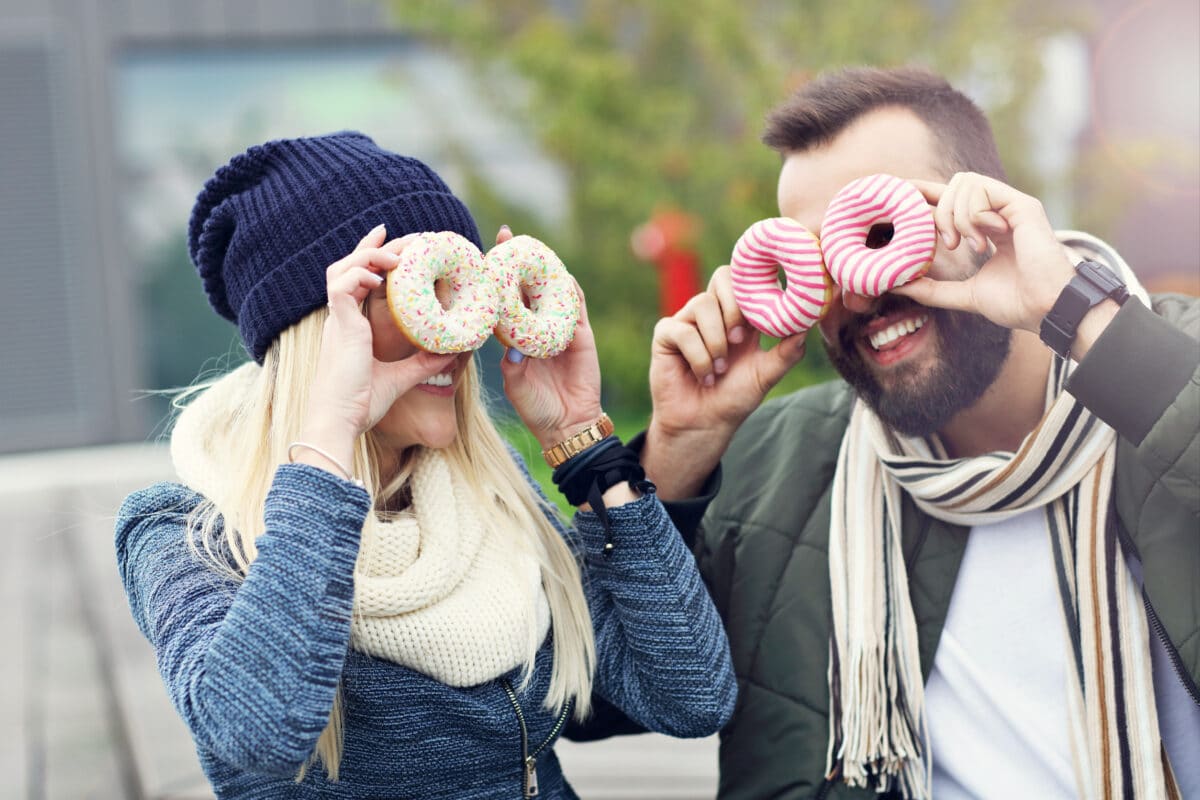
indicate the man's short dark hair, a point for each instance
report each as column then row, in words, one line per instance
column 825, row 106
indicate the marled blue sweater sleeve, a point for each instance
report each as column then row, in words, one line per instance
column 662, row 654
column 252, row 666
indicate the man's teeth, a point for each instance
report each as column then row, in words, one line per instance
column 444, row 379
column 893, row 332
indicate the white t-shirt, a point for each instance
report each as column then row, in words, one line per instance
column 996, row 699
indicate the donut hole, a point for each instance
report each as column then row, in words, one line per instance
column 781, row 278
column 443, row 292
column 880, row 235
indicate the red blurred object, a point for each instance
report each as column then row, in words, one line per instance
column 667, row 240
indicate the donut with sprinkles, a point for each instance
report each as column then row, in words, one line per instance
column 539, row 305
column 467, row 320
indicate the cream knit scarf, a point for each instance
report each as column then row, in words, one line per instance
column 435, row 589
column 878, row 731
column 441, row 592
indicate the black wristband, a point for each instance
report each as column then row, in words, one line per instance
column 588, row 480
column 565, row 473
column 1092, row 284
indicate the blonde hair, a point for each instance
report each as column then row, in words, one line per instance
column 244, row 436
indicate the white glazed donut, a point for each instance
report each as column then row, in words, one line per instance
column 765, row 247
column 528, row 270
column 859, row 206
column 472, row 312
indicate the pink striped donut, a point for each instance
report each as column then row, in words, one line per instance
column 862, row 204
column 765, row 247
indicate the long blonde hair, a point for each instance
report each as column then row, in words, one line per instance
column 241, row 435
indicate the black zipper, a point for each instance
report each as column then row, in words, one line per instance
column 1172, row 653
column 1133, row 560
column 529, row 758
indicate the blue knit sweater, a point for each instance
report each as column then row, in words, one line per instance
column 252, row 666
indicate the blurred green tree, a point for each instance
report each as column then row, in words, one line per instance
column 651, row 105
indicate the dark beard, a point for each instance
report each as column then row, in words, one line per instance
column 971, row 352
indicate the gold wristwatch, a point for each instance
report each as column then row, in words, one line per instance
column 577, row 443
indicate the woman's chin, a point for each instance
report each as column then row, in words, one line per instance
column 439, row 438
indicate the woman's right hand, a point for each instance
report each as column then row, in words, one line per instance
column 352, row 390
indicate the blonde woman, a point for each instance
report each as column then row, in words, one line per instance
column 356, row 590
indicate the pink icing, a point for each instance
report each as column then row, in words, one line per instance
column 472, row 312
column 765, row 247
column 862, row 204
column 526, row 268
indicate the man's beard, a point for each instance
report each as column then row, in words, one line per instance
column 970, row 349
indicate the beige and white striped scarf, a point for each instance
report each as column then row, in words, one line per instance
column 878, row 731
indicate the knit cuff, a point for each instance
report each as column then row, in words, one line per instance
column 641, row 532
column 323, row 515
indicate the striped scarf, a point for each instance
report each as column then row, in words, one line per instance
column 878, row 732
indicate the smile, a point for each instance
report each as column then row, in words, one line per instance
column 883, row 338
column 444, row 379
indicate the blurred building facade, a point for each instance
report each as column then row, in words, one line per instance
column 85, row 84
column 71, row 365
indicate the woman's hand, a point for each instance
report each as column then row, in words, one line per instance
column 352, row 390
column 555, row 397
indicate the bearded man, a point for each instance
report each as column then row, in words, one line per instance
column 972, row 568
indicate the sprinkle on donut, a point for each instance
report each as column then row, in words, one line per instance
column 529, row 271
column 472, row 311
column 863, row 204
column 754, row 268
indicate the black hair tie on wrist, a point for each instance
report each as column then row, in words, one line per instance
column 587, row 476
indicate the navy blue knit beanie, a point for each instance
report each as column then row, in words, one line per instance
column 267, row 224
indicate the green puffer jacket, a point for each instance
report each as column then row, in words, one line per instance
column 762, row 546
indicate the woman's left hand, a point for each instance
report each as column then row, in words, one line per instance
column 555, row 397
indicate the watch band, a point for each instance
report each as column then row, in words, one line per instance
column 576, row 443
column 1092, row 284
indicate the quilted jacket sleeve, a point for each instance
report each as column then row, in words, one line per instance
column 252, row 665
column 1142, row 377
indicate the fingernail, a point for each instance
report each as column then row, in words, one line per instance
column 505, row 228
column 514, row 356
column 709, row 379
column 378, row 228
column 737, row 334
column 719, row 366
column 946, row 238
column 378, row 278
column 971, row 241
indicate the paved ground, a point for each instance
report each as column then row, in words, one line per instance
column 81, row 704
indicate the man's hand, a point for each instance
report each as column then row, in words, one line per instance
column 707, row 373
column 1029, row 268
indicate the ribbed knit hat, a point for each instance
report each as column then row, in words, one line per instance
column 268, row 224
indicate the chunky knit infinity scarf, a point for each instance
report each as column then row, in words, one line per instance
column 878, row 731
column 434, row 588
column 440, row 592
